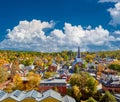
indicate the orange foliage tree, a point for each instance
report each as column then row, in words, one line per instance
column 3, row 61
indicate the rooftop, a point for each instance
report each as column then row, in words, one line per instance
column 52, row 80
column 18, row 95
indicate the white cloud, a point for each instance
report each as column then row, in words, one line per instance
column 108, row 1
column 115, row 14
column 116, row 32
column 32, row 36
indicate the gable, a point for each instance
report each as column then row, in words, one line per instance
column 49, row 99
column 9, row 100
column 28, row 100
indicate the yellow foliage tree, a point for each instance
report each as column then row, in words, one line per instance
column 89, row 57
column 3, row 61
column 3, row 75
column 76, row 92
column 48, row 74
column 18, row 82
column 31, row 81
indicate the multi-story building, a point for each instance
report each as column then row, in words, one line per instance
column 57, row 84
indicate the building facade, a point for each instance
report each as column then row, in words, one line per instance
column 56, row 84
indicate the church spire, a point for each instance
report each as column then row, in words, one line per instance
column 78, row 56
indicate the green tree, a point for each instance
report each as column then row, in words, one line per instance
column 87, row 84
column 76, row 92
column 48, row 75
column 91, row 99
column 107, row 97
column 91, row 85
column 115, row 67
column 76, row 69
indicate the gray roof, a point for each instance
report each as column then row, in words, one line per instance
column 3, row 95
column 33, row 94
column 17, row 95
column 51, row 93
column 67, row 98
column 53, row 81
column 22, row 95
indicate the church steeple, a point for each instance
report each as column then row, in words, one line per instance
column 78, row 56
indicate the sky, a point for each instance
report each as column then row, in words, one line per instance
column 57, row 25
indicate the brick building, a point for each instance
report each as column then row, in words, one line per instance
column 56, row 84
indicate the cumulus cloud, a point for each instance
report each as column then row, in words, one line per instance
column 32, row 36
column 114, row 12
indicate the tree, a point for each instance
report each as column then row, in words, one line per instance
column 115, row 67
column 55, row 88
column 14, row 68
column 27, row 62
column 76, row 69
column 48, row 75
column 87, row 84
column 31, row 81
column 107, row 97
column 91, row 100
column 76, row 92
column 18, row 82
column 3, row 75
column 89, row 57
column 91, row 85
column 3, row 61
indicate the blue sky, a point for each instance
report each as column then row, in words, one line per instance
column 56, row 25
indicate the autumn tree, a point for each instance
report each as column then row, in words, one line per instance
column 31, row 81
column 87, row 84
column 14, row 68
column 3, row 61
column 107, row 97
column 115, row 67
column 27, row 62
column 48, row 75
column 91, row 99
column 76, row 92
column 18, row 82
column 3, row 75
column 76, row 68
column 89, row 57
column 38, row 62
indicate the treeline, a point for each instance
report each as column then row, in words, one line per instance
column 28, row 57
column 102, row 54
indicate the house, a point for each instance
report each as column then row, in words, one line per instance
column 67, row 98
column 34, row 96
column 3, row 95
column 51, row 96
column 110, row 81
column 59, row 84
column 13, row 97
